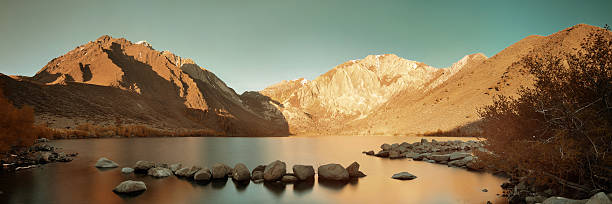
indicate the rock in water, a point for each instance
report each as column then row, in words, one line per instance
column 220, row 171
column 143, row 166
column 129, row 187
column 275, row 171
column 403, row 176
column 258, row 175
column 159, row 172
column 261, row 168
column 241, row 172
column 127, row 170
column 175, row 167
column 599, row 198
column 440, row 158
column 561, row 200
column 202, row 175
column 289, row 179
column 353, row 169
column 303, row 172
column 333, row 172
column 106, row 163
column 188, row 172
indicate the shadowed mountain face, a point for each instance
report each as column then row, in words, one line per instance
column 113, row 78
column 385, row 94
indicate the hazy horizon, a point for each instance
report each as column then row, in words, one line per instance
column 251, row 45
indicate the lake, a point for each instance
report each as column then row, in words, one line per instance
column 80, row 182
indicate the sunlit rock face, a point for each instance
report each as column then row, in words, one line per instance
column 355, row 88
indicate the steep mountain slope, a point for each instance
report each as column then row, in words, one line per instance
column 350, row 91
column 115, row 78
column 388, row 95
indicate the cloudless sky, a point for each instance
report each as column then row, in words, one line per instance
column 252, row 44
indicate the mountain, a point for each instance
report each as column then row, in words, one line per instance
column 389, row 95
column 113, row 78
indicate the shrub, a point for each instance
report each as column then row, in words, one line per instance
column 559, row 130
column 15, row 125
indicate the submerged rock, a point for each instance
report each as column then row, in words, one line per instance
column 159, row 172
column 303, row 172
column 127, row 170
column 333, row 172
column 130, row 186
column 241, row 172
column 353, row 170
column 188, row 172
column 175, row 167
column 275, row 170
column 143, row 166
column 403, row 176
column 289, row 179
column 561, row 200
column 220, row 171
column 257, row 175
column 202, row 175
column 106, row 163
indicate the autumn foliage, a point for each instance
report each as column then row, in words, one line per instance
column 558, row 132
column 15, row 125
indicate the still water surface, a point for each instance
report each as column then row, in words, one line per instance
column 80, row 182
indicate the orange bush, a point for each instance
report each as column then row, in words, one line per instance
column 560, row 131
column 16, row 125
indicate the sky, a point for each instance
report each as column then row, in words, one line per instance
column 253, row 44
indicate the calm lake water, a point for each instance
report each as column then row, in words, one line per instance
column 80, row 182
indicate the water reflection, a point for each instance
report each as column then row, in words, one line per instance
column 80, row 182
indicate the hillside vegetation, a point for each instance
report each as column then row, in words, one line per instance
column 558, row 132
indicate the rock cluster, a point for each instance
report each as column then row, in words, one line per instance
column 275, row 172
column 452, row 153
column 39, row 153
column 525, row 190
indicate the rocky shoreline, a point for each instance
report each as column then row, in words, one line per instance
column 274, row 173
column 38, row 154
column 460, row 154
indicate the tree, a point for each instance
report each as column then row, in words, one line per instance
column 560, row 130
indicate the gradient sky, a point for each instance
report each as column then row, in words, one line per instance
column 253, row 44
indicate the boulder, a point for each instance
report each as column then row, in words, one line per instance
column 333, row 172
column 382, row 153
column 202, row 175
column 275, row 171
column 106, row 163
column 188, row 172
column 258, row 180
column 423, row 156
column 257, row 175
column 143, row 166
column 241, row 172
column 424, row 141
column 457, row 155
column 403, row 176
column 289, row 179
column 261, row 168
column 440, row 158
column 370, row 153
column 561, row 200
column 353, row 169
column 599, row 198
column 130, row 186
column 360, row 174
column 220, row 171
column 159, row 172
column 303, row 172
column 175, row 167
column 127, row 170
